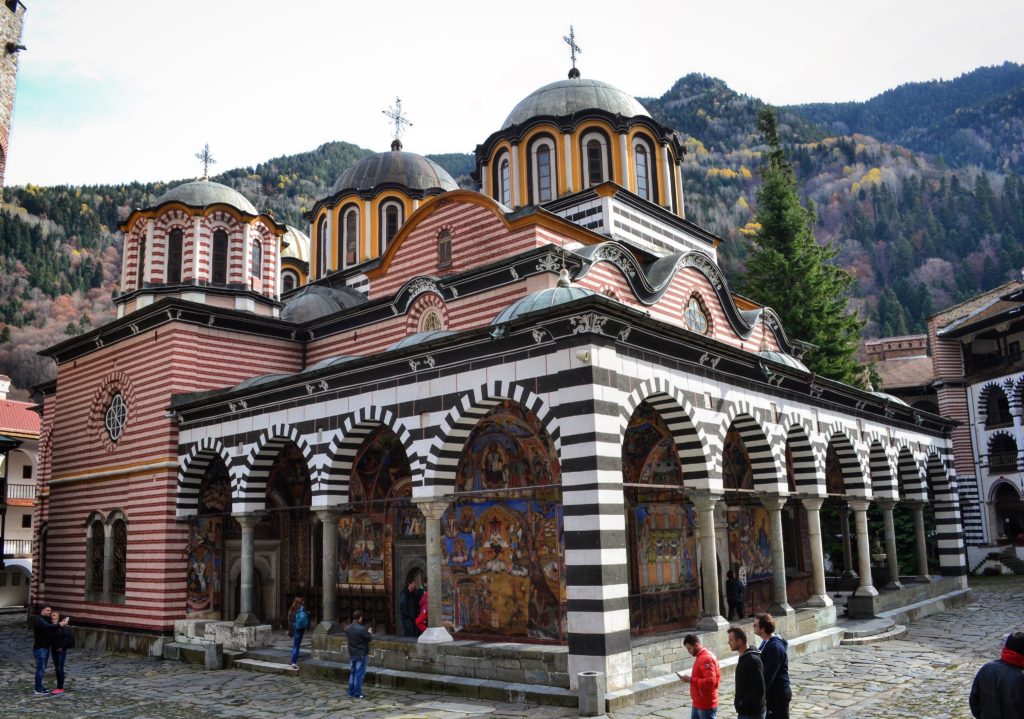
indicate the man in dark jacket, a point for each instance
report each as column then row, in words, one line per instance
column 44, row 632
column 359, row 638
column 734, row 592
column 775, row 658
column 409, row 608
column 998, row 689
column 749, row 677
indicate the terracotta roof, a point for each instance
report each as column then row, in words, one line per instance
column 905, row 372
column 18, row 418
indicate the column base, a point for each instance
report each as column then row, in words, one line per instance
column 435, row 635
column 329, row 626
column 922, row 578
column 247, row 619
column 820, row 600
column 866, row 590
column 894, row 585
column 863, row 607
column 712, row 623
column 849, row 574
column 781, row 610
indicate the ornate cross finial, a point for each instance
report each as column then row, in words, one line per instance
column 396, row 115
column 574, row 49
column 207, row 159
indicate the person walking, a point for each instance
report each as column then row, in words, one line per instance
column 63, row 639
column 734, row 593
column 703, row 679
column 43, row 630
column 298, row 623
column 409, row 607
column 359, row 638
column 998, row 689
column 749, row 677
column 775, row 658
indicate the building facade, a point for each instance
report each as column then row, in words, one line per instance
column 11, row 20
column 19, row 448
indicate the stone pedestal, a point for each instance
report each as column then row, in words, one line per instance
column 432, row 513
column 711, row 619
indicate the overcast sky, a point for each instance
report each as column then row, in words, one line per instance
column 122, row 90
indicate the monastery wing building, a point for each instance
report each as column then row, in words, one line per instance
column 542, row 397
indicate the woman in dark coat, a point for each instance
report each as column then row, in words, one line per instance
column 62, row 640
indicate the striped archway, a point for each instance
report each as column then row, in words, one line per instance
column 191, row 469
column 249, row 493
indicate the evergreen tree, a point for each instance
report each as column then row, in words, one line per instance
column 790, row 272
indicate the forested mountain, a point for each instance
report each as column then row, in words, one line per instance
column 919, row 233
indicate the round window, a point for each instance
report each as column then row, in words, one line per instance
column 696, row 320
column 116, row 417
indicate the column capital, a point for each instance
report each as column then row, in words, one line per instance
column 704, row 499
column 247, row 520
column 433, row 508
column 886, row 503
column 774, row 502
column 328, row 514
column 812, row 503
column 858, row 504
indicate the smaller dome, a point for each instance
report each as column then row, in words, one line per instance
column 420, row 338
column 890, row 397
column 314, row 301
column 541, row 300
column 203, row 193
column 297, row 244
column 258, row 380
column 567, row 97
column 783, row 358
column 395, row 168
column 334, row 361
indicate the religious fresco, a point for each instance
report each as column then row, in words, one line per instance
column 649, row 455
column 205, row 555
column 834, row 483
column 666, row 547
column 502, row 558
column 749, row 546
column 736, row 470
column 363, row 550
column 289, row 497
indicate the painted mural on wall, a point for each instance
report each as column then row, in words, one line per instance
column 289, row 496
column 502, row 558
column 746, row 521
column 205, row 554
column 666, row 547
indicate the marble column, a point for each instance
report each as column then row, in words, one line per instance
column 432, row 513
column 711, row 618
column 844, row 527
column 860, row 519
column 780, row 602
column 329, row 623
column 891, row 559
column 922, row 546
column 819, row 596
column 108, row 561
column 246, row 616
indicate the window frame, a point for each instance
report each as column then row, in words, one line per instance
column 444, row 248
column 175, row 237
column 386, row 236
column 586, row 171
column 537, row 143
column 642, row 141
column 503, row 178
column 219, row 258
column 695, row 302
column 321, row 246
column 347, row 212
column 288, row 275
column 256, row 260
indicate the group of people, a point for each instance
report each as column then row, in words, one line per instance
column 52, row 638
column 762, row 675
column 412, row 607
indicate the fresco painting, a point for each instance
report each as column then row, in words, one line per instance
column 205, row 553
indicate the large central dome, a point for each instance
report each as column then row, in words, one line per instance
column 566, row 97
column 203, row 193
column 395, row 168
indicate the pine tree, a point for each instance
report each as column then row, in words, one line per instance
column 790, row 272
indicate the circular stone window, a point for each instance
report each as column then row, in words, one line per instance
column 696, row 320
column 116, row 417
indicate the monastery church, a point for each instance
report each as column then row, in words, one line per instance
column 542, row 397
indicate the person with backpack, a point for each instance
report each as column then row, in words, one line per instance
column 62, row 640
column 298, row 623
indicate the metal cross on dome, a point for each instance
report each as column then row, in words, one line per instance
column 206, row 158
column 574, row 49
column 396, row 115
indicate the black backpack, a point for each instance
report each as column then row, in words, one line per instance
column 68, row 638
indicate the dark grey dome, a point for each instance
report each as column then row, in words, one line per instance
column 259, row 379
column 203, row 193
column 783, row 358
column 335, row 361
column 541, row 300
column 395, row 167
column 313, row 302
column 566, row 97
column 419, row 338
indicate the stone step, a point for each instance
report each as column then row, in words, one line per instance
column 260, row 665
column 208, row 654
column 860, row 628
column 891, row 632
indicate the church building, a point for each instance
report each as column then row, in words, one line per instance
column 542, row 397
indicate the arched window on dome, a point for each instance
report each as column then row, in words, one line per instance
column 289, row 281
column 141, row 274
column 219, row 258
column 543, row 172
column 174, row 246
column 350, row 236
column 644, row 169
column 257, row 260
column 503, row 179
column 444, row 248
column 321, row 246
column 594, row 145
column 390, row 223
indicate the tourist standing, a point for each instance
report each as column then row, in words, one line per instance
column 63, row 639
column 703, row 679
column 422, row 618
column 359, row 638
column 749, row 677
column 298, row 623
column 734, row 593
column 775, row 658
column 998, row 689
column 43, row 630
column 409, row 607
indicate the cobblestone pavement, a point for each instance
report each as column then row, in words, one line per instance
column 926, row 674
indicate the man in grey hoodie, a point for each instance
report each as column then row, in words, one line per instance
column 775, row 658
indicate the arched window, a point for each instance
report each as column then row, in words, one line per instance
column 595, row 159
column 94, row 550
column 503, row 180
column 391, row 223
column 350, row 237
column 641, row 170
column 696, row 319
column 321, row 247
column 997, row 409
column 141, row 272
column 119, row 558
column 444, row 248
column 174, row 246
column 431, row 322
column 542, row 170
column 219, row 268
column 1002, row 453
column 288, row 281
column 257, row 260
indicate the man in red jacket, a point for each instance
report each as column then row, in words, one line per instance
column 703, row 679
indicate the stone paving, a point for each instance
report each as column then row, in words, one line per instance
column 926, row 674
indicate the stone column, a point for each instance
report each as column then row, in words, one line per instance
column 246, row 617
column 819, row 598
column 432, row 513
column 780, row 602
column 844, row 527
column 860, row 518
column 922, row 546
column 329, row 600
column 108, row 560
column 891, row 559
column 704, row 502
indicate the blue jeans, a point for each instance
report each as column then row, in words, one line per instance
column 696, row 713
column 42, row 656
column 296, row 641
column 355, row 677
column 58, row 666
